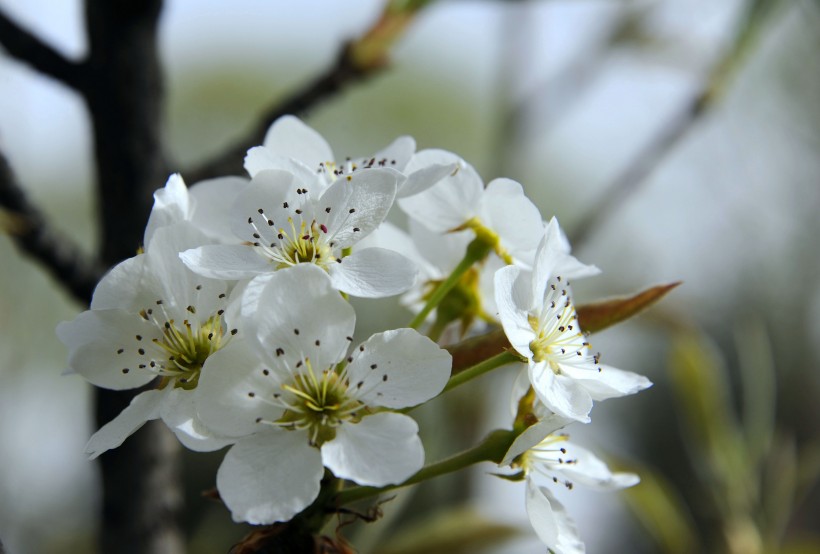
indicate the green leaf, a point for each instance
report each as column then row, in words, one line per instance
column 460, row 530
column 662, row 511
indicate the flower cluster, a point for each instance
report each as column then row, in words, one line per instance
column 234, row 318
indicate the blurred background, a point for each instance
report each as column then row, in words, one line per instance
column 673, row 139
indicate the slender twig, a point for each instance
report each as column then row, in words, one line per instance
column 702, row 100
column 357, row 60
column 24, row 46
column 341, row 74
column 30, row 231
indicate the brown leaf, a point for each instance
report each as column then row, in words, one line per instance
column 606, row 313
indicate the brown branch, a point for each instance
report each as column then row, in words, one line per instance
column 27, row 48
column 358, row 59
column 142, row 497
column 749, row 27
column 341, row 74
column 30, row 231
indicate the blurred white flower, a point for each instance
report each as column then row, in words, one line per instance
column 539, row 319
column 282, row 224
column 298, row 402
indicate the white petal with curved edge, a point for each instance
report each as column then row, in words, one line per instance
column 424, row 178
column 121, row 286
column 173, row 282
column 171, row 205
column 259, row 159
column 269, row 477
column 510, row 296
column 451, row 201
column 102, row 344
column 610, row 382
column 373, row 273
column 396, row 154
column 209, row 199
column 268, row 192
column 179, row 414
column 507, row 211
column 226, row 261
column 382, row 449
column 589, row 470
column 358, row 205
column 533, row 435
column 289, row 136
column 223, row 400
column 562, row 395
column 550, row 521
column 442, row 250
column 301, row 314
column 548, row 259
column 398, row 369
column 143, row 407
column 539, row 510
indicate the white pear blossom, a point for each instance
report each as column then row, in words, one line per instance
column 280, row 223
column 539, row 319
column 500, row 213
column 298, row 402
column 203, row 205
column 152, row 319
column 292, row 145
column 557, row 461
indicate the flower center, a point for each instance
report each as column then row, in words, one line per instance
column 558, row 337
column 302, row 243
column 186, row 350
column 547, row 457
column 318, row 404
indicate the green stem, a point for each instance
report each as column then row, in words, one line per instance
column 491, row 449
column 477, row 250
column 481, row 368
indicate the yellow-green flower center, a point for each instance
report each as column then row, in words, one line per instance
column 319, row 404
column 187, row 348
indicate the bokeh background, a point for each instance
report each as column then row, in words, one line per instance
column 563, row 96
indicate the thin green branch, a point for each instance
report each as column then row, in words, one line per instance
column 491, row 449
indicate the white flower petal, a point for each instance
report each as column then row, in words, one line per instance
column 373, row 273
column 510, row 298
column 424, row 178
column 179, row 414
column 441, row 250
column 170, row 280
column 268, row 191
column 507, row 211
column 548, row 259
column 269, row 477
column 569, row 541
column 225, row 261
column 610, row 382
column 290, row 137
column 359, row 203
column 533, row 435
column 398, row 369
column 451, row 201
column 382, row 449
column 209, row 199
column 259, row 159
column 171, row 205
column 397, row 153
column 562, row 395
column 223, row 402
column 539, row 510
column 587, row 469
column 143, row 407
column 121, row 286
column 100, row 344
column 301, row 314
